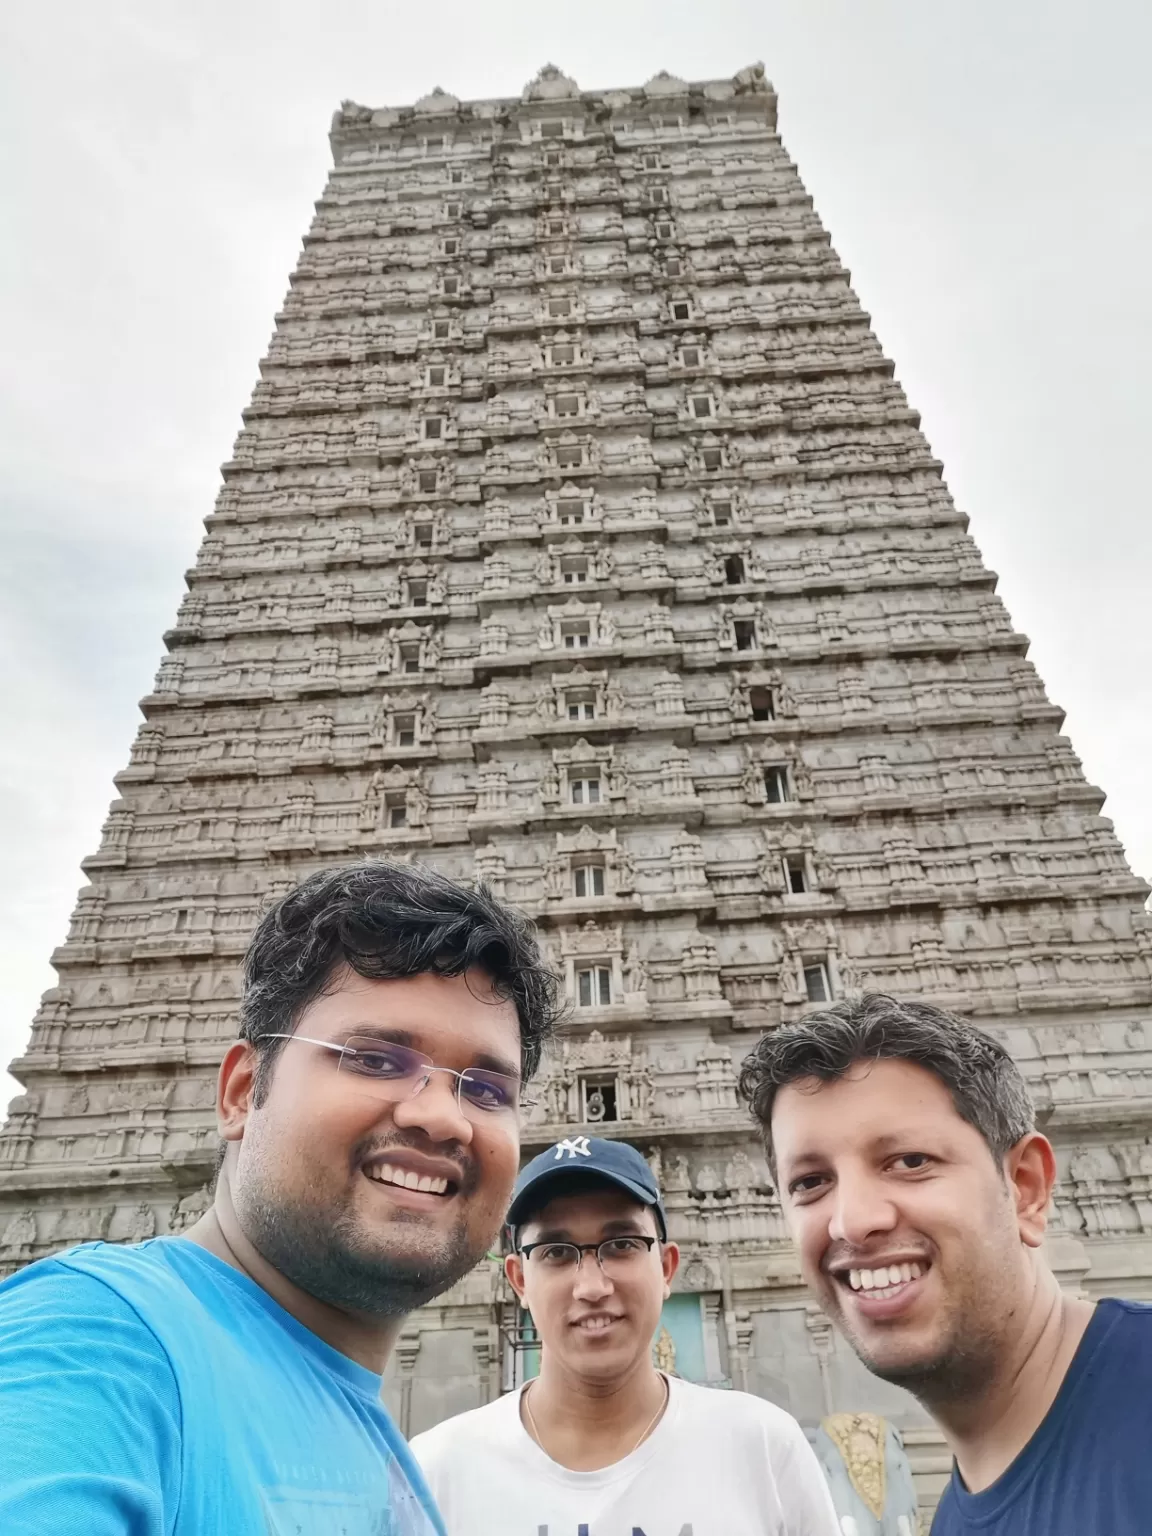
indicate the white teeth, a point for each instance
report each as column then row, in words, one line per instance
column 886, row 1278
column 386, row 1174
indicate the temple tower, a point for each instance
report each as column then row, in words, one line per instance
column 579, row 539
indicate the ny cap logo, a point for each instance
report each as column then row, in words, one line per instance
column 574, row 1146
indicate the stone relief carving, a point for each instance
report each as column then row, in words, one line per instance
column 272, row 741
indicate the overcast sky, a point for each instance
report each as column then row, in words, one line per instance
column 983, row 169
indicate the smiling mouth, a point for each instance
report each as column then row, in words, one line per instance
column 884, row 1282
column 405, row 1178
column 597, row 1323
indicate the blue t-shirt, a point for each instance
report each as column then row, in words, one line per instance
column 154, row 1390
column 1087, row 1471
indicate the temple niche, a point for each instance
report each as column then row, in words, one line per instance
column 579, row 539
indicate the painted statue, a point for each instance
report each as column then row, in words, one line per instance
column 863, row 1459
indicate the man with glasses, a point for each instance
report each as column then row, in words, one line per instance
column 601, row 1442
column 229, row 1380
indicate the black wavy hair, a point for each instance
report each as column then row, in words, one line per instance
column 386, row 921
column 986, row 1085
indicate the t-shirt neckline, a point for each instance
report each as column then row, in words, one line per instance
column 601, row 1476
column 355, row 1375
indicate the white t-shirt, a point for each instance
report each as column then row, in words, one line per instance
column 717, row 1464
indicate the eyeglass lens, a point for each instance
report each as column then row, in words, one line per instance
column 613, row 1253
column 394, row 1072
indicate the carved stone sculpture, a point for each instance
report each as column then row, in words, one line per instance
column 725, row 703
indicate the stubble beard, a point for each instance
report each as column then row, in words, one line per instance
column 957, row 1364
column 333, row 1256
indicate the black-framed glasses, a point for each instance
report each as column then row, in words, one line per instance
column 395, row 1072
column 613, row 1255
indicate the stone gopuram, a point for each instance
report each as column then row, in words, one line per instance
column 579, row 539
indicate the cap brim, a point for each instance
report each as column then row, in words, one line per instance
column 539, row 1191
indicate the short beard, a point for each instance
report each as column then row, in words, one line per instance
column 325, row 1253
column 966, row 1358
column 960, row 1371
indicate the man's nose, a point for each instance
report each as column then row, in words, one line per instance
column 861, row 1208
column 435, row 1109
column 592, row 1284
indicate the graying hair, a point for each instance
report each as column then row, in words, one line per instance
column 985, row 1083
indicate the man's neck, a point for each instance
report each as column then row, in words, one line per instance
column 365, row 1339
column 585, row 1425
column 987, row 1430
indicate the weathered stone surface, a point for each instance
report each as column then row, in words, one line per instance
column 578, row 538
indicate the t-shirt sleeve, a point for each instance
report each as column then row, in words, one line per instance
column 804, row 1494
column 89, row 1412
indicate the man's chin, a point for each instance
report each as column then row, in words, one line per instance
column 598, row 1365
column 369, row 1272
column 920, row 1365
column 885, row 1348
column 411, row 1274
column 903, row 1368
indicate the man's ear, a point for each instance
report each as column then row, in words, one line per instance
column 670, row 1263
column 1030, row 1169
column 514, row 1269
column 234, row 1088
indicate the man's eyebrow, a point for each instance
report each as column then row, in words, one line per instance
column 796, row 1160
column 490, row 1063
column 393, row 1035
column 374, row 1031
column 903, row 1138
column 621, row 1226
column 884, row 1141
column 552, row 1235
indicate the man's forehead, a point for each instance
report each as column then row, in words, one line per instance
column 451, row 1015
column 475, row 982
column 889, row 1079
column 873, row 1102
column 595, row 1207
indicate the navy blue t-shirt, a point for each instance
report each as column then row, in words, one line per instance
column 1087, row 1471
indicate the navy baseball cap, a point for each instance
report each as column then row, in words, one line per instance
column 613, row 1161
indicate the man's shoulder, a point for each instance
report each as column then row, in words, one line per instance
column 136, row 1283
column 1119, row 1338
column 732, row 1411
column 1137, row 1312
column 476, row 1426
column 94, row 1270
column 66, row 1324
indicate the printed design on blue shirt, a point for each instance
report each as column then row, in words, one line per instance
column 390, row 1508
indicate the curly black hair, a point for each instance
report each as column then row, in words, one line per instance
column 386, row 921
column 986, row 1085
